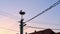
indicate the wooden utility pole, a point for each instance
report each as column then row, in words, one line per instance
column 21, row 21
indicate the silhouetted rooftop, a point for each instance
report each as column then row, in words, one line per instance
column 47, row 31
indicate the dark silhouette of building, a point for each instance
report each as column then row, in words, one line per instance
column 58, row 33
column 47, row 31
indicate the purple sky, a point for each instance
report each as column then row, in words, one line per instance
column 9, row 11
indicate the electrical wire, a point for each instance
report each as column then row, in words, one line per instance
column 38, row 15
column 8, row 14
column 9, row 29
column 10, row 17
column 55, row 4
column 41, row 23
column 58, row 2
column 40, row 28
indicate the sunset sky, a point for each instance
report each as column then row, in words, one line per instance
column 10, row 17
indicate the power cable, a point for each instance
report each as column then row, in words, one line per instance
column 40, row 28
column 15, row 16
column 9, row 29
column 58, row 2
column 55, row 4
column 7, row 14
column 42, row 13
column 41, row 23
